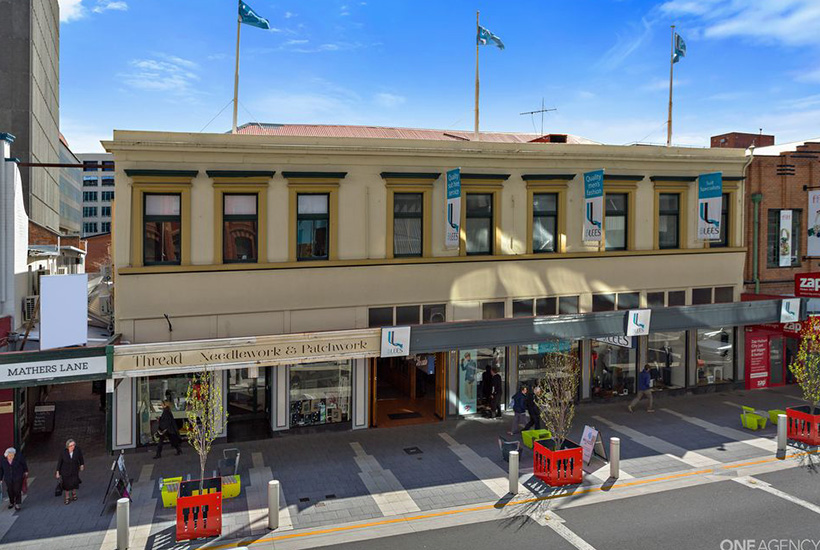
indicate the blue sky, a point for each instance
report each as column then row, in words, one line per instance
column 604, row 64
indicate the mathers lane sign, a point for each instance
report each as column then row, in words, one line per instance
column 51, row 369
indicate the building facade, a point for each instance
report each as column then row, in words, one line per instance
column 279, row 260
column 29, row 100
column 97, row 192
column 71, row 216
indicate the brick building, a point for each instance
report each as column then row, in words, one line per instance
column 741, row 140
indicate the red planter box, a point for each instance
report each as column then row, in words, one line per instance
column 558, row 468
column 802, row 426
column 199, row 513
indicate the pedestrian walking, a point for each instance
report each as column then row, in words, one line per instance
column 167, row 428
column 69, row 466
column 498, row 389
column 644, row 389
column 532, row 409
column 487, row 390
column 519, row 406
column 14, row 471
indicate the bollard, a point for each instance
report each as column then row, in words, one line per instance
column 123, row 519
column 273, row 504
column 514, row 472
column 781, row 432
column 615, row 457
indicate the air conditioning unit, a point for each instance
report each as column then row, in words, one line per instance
column 106, row 306
column 29, row 308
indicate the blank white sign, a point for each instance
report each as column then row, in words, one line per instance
column 63, row 311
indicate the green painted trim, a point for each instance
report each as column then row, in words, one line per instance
column 334, row 175
column 240, row 173
column 23, row 384
column 548, row 177
column 413, row 175
column 734, row 178
column 673, row 178
column 485, row 176
column 614, row 177
column 109, row 354
column 169, row 173
column 65, row 353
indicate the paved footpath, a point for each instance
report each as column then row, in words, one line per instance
column 338, row 482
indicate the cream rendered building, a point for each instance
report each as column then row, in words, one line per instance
column 348, row 195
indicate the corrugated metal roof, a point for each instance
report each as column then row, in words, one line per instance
column 383, row 132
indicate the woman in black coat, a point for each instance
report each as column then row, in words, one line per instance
column 13, row 470
column 69, row 466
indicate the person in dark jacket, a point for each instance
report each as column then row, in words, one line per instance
column 487, row 387
column 69, row 466
column 532, row 409
column 519, row 406
column 644, row 389
column 498, row 389
column 13, row 470
column 168, row 428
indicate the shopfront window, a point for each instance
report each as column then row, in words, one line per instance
column 151, row 392
column 666, row 356
column 320, row 393
column 613, row 364
column 532, row 359
column 472, row 363
column 715, row 356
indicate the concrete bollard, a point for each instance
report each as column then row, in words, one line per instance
column 781, row 433
column 123, row 521
column 273, row 504
column 615, row 457
column 514, row 472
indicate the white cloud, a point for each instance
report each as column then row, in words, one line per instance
column 295, row 42
column 288, row 15
column 624, row 47
column 389, row 100
column 584, row 94
column 106, row 5
column 164, row 73
column 71, row 10
column 658, row 84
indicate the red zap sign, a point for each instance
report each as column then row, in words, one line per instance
column 807, row 285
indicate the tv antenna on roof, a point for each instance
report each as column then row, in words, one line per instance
column 542, row 110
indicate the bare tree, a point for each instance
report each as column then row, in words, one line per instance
column 556, row 402
column 204, row 415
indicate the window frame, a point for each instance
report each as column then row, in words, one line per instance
column 402, row 215
column 313, row 217
column 146, row 219
column 239, row 218
column 676, row 214
column 159, row 184
column 675, row 187
column 544, row 184
column 481, row 186
column 730, row 188
column 244, row 185
column 797, row 236
column 625, row 215
column 107, row 196
column 416, row 183
column 308, row 185
column 546, row 214
column 480, row 216
column 627, row 185
column 87, row 196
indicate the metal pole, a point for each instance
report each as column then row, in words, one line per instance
column 781, row 432
column 123, row 519
column 236, row 72
column 477, row 28
column 671, row 65
column 615, row 457
column 514, row 472
column 273, row 504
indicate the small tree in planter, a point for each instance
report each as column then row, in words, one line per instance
column 204, row 415
column 556, row 402
column 804, row 422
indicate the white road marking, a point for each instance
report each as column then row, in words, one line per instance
column 487, row 471
column 601, row 473
column 386, row 490
column 768, row 445
column 755, row 483
column 696, row 460
column 554, row 522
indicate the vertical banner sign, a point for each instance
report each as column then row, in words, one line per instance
column 710, row 195
column 813, row 224
column 784, row 239
column 593, row 205
column 467, row 381
column 453, row 214
column 757, row 362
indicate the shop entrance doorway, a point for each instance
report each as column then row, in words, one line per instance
column 248, row 404
column 47, row 416
column 407, row 390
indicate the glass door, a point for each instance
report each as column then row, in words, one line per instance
column 247, row 395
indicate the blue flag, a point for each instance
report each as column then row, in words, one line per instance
column 680, row 48
column 485, row 37
column 249, row 17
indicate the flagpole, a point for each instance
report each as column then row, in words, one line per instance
column 236, row 73
column 476, row 134
column 671, row 65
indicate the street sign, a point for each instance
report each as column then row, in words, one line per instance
column 807, row 285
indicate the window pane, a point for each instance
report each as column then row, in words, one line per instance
column 435, row 313
column 407, row 236
column 240, row 241
column 479, row 203
column 701, row 296
column 240, row 205
column 478, row 235
column 312, row 204
column 613, row 369
column 380, row 317
column 666, row 356
column 677, row 298
column 545, row 306
column 311, row 239
column 543, row 234
column 724, row 223
column 320, row 393
column 669, row 203
column 407, row 203
column 615, row 232
column 655, row 299
column 162, row 205
column 522, row 308
column 724, row 294
column 492, row 310
column 773, row 238
column 715, row 356
column 603, row 302
column 545, row 202
column 629, row 300
column 668, row 231
column 568, row 305
column 407, row 315
column 162, row 242
column 615, row 203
